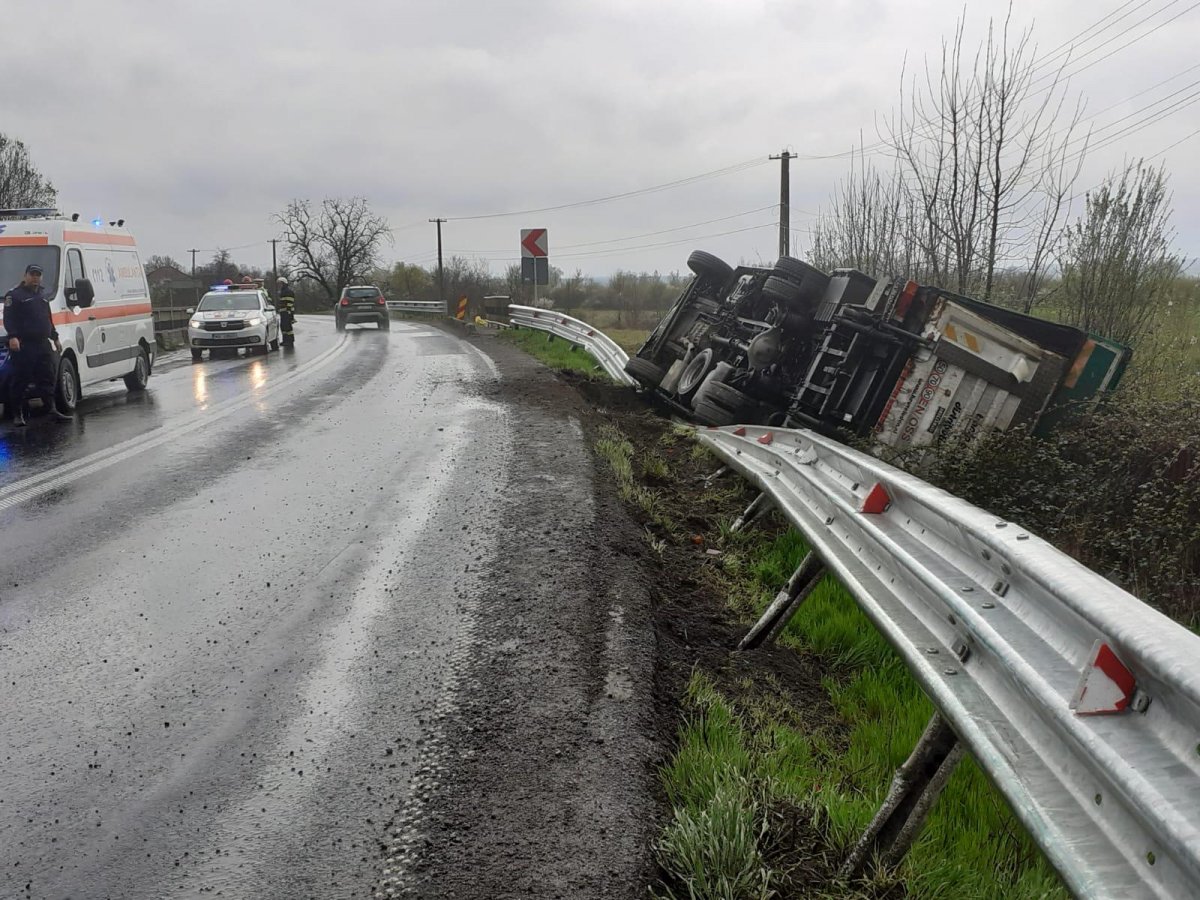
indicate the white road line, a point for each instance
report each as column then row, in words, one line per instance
column 34, row 486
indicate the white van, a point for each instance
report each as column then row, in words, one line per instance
column 99, row 299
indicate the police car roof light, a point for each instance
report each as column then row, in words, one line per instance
column 98, row 222
column 219, row 287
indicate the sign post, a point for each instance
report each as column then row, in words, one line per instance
column 535, row 258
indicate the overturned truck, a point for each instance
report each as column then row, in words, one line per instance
column 908, row 364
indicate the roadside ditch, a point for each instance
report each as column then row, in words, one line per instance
column 777, row 758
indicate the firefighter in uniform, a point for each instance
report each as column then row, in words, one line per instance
column 287, row 312
column 30, row 330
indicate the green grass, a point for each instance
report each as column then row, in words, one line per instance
column 616, row 449
column 555, row 353
column 712, row 847
column 972, row 846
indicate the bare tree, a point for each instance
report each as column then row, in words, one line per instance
column 335, row 245
column 22, row 186
column 867, row 225
column 985, row 160
column 1117, row 262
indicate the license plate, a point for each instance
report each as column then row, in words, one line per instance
column 227, row 337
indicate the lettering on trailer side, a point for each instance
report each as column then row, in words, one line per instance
column 914, row 419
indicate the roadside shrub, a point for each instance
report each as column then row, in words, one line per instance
column 1117, row 487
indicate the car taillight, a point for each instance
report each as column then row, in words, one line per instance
column 345, row 301
column 380, row 301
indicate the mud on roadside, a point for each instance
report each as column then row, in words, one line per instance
column 554, row 788
column 697, row 627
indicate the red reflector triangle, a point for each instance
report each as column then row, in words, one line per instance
column 1105, row 686
column 766, row 438
column 740, row 431
column 877, row 501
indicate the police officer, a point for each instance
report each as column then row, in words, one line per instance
column 30, row 330
column 287, row 312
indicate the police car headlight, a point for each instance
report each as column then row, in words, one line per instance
column 195, row 323
column 254, row 320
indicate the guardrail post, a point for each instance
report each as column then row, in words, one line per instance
column 789, row 599
column 710, row 480
column 915, row 788
column 757, row 507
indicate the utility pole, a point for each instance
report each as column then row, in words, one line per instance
column 441, row 272
column 273, row 290
column 785, row 202
column 195, row 287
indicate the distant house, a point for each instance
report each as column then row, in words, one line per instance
column 170, row 287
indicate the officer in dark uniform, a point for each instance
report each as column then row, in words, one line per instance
column 30, row 330
column 287, row 312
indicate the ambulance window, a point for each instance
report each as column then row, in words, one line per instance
column 74, row 267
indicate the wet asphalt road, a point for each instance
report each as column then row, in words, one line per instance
column 229, row 614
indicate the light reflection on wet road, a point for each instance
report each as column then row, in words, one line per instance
column 221, row 655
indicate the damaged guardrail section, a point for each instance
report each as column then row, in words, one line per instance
column 606, row 351
column 1080, row 702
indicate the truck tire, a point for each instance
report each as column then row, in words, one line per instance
column 712, row 414
column 695, row 373
column 644, row 371
column 716, row 393
column 708, row 266
column 810, row 281
column 780, row 290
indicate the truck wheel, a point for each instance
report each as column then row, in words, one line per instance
column 645, row 371
column 720, row 394
column 695, row 372
column 66, row 390
column 811, row 281
column 708, row 266
column 785, row 293
column 711, row 414
column 135, row 381
column 197, row 355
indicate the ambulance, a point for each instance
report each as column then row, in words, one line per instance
column 100, row 302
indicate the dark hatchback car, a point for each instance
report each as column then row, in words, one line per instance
column 359, row 304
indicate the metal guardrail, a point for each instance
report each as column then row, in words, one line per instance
column 606, row 351
column 997, row 626
column 170, row 318
column 428, row 306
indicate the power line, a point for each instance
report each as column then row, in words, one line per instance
column 1174, row 145
column 1046, row 60
column 1054, row 77
column 687, row 240
column 692, row 179
column 631, row 237
column 622, row 250
column 1151, row 119
column 1069, row 46
column 1152, row 87
column 1111, row 178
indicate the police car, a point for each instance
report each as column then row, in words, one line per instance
column 99, row 301
column 231, row 316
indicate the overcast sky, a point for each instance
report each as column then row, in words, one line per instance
column 196, row 121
